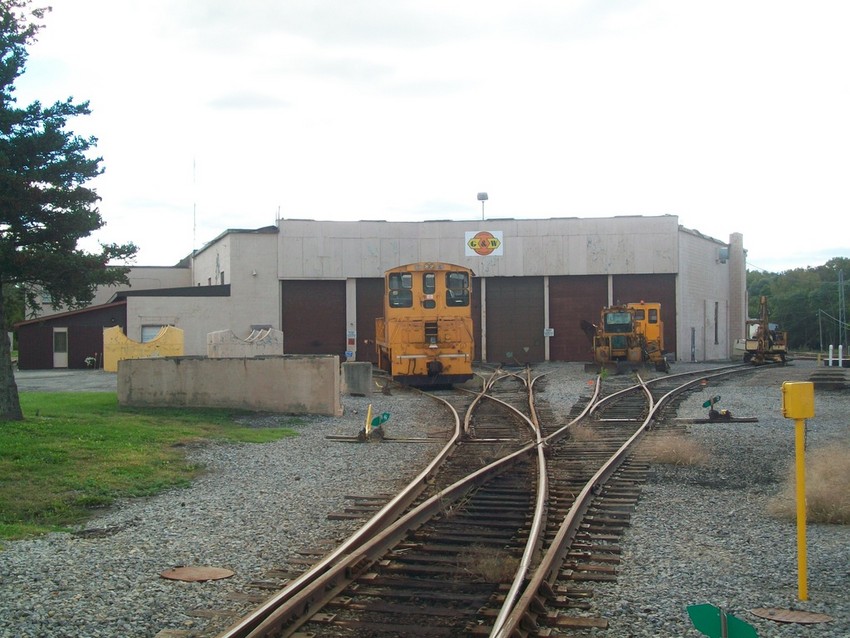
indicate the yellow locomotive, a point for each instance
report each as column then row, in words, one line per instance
column 425, row 336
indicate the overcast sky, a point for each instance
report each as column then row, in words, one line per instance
column 217, row 114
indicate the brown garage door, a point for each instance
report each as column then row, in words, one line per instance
column 515, row 320
column 370, row 306
column 571, row 300
column 660, row 288
column 313, row 317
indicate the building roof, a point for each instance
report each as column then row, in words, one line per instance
column 71, row 313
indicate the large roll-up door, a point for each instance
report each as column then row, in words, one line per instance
column 660, row 288
column 313, row 317
column 370, row 306
column 515, row 320
column 571, row 300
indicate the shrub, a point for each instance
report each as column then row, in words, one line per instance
column 673, row 449
column 827, row 488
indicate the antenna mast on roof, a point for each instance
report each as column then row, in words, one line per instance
column 194, row 208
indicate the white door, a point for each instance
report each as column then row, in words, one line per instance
column 60, row 347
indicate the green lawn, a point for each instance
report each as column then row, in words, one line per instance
column 78, row 451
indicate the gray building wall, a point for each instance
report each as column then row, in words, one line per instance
column 253, row 262
column 140, row 278
column 248, row 262
column 705, row 310
column 709, row 289
column 534, row 247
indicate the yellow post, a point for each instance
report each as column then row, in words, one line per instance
column 798, row 403
column 368, row 427
column 800, row 447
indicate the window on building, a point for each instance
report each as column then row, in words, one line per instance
column 150, row 331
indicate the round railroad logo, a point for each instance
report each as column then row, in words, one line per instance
column 484, row 243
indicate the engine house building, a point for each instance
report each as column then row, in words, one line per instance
column 321, row 283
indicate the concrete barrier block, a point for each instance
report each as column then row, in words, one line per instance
column 357, row 378
column 284, row 384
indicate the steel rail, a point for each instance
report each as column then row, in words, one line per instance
column 389, row 512
column 538, row 523
column 720, row 371
column 486, row 385
column 547, row 571
column 534, row 540
column 550, row 564
column 292, row 611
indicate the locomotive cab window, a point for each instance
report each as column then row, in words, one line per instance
column 429, row 287
column 429, row 283
column 400, row 290
column 618, row 322
column 653, row 315
column 457, row 289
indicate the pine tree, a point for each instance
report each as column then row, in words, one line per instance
column 44, row 206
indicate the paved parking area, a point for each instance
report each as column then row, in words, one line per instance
column 66, row 381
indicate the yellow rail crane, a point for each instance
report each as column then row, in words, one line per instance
column 765, row 343
column 628, row 336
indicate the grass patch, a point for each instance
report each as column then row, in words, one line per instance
column 78, row 451
column 673, row 449
column 487, row 564
column 827, row 488
column 583, row 433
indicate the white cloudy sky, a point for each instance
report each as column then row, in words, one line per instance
column 733, row 115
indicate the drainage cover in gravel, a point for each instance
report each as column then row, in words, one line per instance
column 196, row 574
column 791, row 615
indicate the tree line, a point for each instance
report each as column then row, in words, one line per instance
column 805, row 303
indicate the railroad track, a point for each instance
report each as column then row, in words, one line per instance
column 501, row 533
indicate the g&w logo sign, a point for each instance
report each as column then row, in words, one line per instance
column 483, row 243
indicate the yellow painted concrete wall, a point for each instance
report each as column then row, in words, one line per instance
column 288, row 384
column 118, row 347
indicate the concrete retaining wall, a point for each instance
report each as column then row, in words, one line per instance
column 287, row 384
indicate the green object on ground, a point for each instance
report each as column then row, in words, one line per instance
column 378, row 420
column 711, row 401
column 708, row 620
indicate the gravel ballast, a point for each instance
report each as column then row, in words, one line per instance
column 700, row 534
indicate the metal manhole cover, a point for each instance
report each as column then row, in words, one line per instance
column 791, row 615
column 196, row 574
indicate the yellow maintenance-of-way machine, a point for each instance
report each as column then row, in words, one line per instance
column 628, row 336
column 765, row 343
